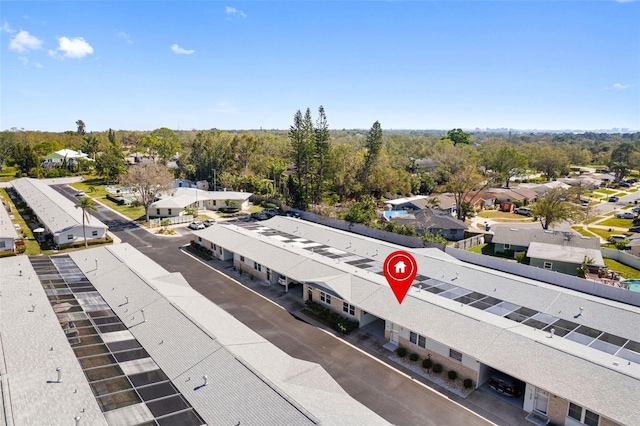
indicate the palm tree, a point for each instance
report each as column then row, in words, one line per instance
column 86, row 203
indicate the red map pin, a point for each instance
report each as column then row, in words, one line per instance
column 400, row 268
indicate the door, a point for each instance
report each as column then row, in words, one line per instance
column 541, row 403
column 310, row 294
column 393, row 334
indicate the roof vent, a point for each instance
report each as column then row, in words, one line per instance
column 552, row 332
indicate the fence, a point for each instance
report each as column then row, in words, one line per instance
column 360, row 229
column 551, row 277
column 622, row 257
column 467, row 243
column 174, row 220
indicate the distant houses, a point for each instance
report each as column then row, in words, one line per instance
column 70, row 156
column 175, row 201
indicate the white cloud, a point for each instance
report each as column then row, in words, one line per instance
column 23, row 41
column 620, row 86
column 124, row 36
column 74, row 48
column 180, row 51
column 233, row 11
column 7, row 28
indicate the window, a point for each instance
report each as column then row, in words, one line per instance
column 214, row 202
column 350, row 309
column 2, row 244
column 70, row 237
column 455, row 355
column 257, row 266
column 213, row 247
column 199, row 239
column 169, row 211
column 417, row 339
column 326, row 298
column 587, row 417
column 548, row 265
column 241, row 258
column 507, row 246
column 94, row 233
column 158, row 212
column 268, row 274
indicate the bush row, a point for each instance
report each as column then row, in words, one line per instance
column 201, row 249
column 333, row 319
column 428, row 364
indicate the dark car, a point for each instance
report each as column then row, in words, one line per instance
column 270, row 212
column 613, row 199
column 259, row 216
column 635, row 228
column 208, row 222
column 624, row 185
column 505, row 384
column 632, row 181
column 291, row 213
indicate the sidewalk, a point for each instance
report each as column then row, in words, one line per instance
column 485, row 405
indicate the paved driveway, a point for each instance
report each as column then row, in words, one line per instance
column 398, row 398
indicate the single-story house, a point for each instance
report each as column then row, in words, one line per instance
column 507, row 198
column 542, row 188
column 481, row 200
column 416, row 202
column 8, row 233
column 562, row 258
column 69, row 155
column 175, row 201
column 519, row 239
column 427, row 220
column 57, row 214
column 575, row 362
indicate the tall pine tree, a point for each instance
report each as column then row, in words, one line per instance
column 322, row 147
column 373, row 145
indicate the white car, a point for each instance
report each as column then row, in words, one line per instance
column 197, row 225
column 80, row 194
column 626, row 215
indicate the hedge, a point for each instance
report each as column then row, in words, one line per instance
column 414, row 357
column 427, row 363
column 437, row 368
column 401, row 352
column 333, row 319
column 468, row 383
column 452, row 375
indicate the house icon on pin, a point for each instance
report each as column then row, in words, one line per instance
column 400, row 267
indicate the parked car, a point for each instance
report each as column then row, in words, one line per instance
column 624, row 184
column 80, row 194
column 635, row 228
column 197, row 225
column 208, row 222
column 505, row 384
column 585, row 203
column 616, row 238
column 270, row 212
column 523, row 210
column 291, row 213
column 625, row 215
column 613, row 199
column 259, row 216
column 632, row 181
column 636, row 209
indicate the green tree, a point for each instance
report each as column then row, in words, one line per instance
column 548, row 160
column 147, row 180
column 373, row 146
column 623, row 159
column 86, row 204
column 301, row 137
column 322, row 147
column 362, row 211
column 110, row 165
column 91, row 145
column 504, row 159
column 166, row 143
column 553, row 207
column 25, row 157
column 458, row 137
column 81, row 128
column 211, row 152
column 7, row 141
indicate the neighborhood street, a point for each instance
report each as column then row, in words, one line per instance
column 400, row 399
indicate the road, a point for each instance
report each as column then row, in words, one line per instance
column 395, row 397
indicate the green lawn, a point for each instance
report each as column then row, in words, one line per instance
column 96, row 183
column 606, row 234
column 594, row 219
column 582, row 231
column 495, row 214
column 31, row 245
column 478, row 249
column 254, row 209
column 604, row 191
column 624, row 270
column 620, row 223
column 134, row 213
column 94, row 188
column 7, row 174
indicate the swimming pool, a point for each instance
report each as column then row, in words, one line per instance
column 634, row 285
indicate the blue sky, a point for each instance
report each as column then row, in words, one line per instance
column 142, row 65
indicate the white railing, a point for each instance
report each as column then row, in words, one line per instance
column 173, row 220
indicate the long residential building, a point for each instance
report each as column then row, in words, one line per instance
column 577, row 354
column 106, row 336
column 8, row 233
column 57, row 214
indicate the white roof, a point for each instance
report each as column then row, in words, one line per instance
column 33, row 345
column 183, row 197
column 251, row 380
column 7, row 229
column 69, row 153
column 560, row 253
column 53, row 209
column 398, row 201
column 502, row 343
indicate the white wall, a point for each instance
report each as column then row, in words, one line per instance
column 78, row 236
column 622, row 257
column 9, row 244
column 164, row 211
column 442, row 350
